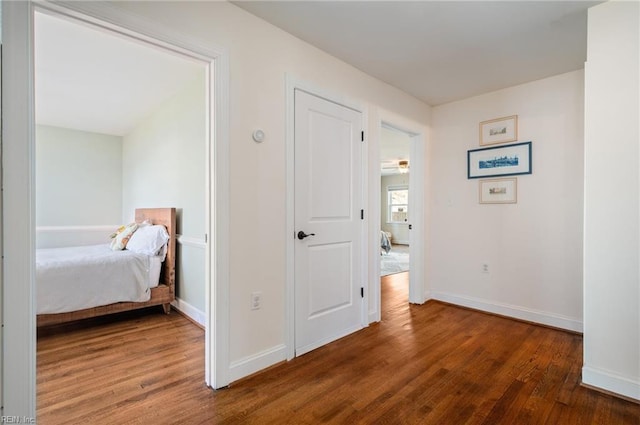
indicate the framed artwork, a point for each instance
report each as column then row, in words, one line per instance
column 497, row 161
column 499, row 130
column 499, row 191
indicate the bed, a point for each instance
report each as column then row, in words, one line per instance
column 64, row 296
column 385, row 242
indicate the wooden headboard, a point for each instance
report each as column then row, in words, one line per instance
column 166, row 217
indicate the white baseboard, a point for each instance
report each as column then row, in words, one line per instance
column 611, row 382
column 190, row 311
column 518, row 312
column 257, row 362
column 427, row 296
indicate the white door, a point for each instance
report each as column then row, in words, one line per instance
column 328, row 202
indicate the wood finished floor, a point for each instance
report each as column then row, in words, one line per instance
column 429, row 364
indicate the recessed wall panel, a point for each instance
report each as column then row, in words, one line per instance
column 330, row 288
column 330, row 160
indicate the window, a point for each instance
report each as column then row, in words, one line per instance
column 398, row 201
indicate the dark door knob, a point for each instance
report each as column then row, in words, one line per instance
column 302, row 235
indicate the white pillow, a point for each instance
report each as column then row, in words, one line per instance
column 148, row 240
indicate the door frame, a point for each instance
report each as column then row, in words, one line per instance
column 291, row 84
column 18, row 160
column 417, row 186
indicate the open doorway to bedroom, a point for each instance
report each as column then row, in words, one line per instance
column 395, row 214
column 120, row 125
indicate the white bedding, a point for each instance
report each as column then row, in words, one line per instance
column 75, row 278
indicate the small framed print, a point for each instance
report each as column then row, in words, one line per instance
column 499, row 130
column 499, row 191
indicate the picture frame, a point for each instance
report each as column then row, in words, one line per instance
column 498, row 191
column 510, row 160
column 499, row 130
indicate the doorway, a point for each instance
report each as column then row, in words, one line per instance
column 395, row 197
column 399, row 130
column 109, row 110
column 19, row 190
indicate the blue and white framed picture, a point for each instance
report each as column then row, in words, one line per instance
column 510, row 160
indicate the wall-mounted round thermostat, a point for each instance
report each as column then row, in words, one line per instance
column 258, row 136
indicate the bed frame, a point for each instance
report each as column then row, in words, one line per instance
column 163, row 294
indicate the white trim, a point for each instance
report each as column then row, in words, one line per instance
column 610, row 381
column 289, row 314
column 62, row 236
column 191, row 242
column 291, row 84
column 18, row 212
column 106, row 229
column 419, row 234
column 375, row 202
column 257, row 362
column 218, row 293
column 193, row 313
column 509, row 310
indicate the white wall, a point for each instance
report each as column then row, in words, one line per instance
column 164, row 165
column 78, row 177
column 533, row 248
column 612, row 198
column 78, row 186
column 260, row 57
column 399, row 232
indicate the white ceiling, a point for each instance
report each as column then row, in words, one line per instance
column 98, row 81
column 94, row 80
column 441, row 51
column 394, row 147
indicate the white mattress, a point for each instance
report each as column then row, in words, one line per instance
column 75, row 278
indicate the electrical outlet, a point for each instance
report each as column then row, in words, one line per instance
column 256, row 300
column 485, row 268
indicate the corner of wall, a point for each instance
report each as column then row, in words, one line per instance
column 611, row 226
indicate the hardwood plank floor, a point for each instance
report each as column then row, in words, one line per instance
column 429, row 364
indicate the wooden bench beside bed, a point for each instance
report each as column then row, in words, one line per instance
column 163, row 294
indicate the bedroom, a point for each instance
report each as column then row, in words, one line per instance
column 108, row 142
column 258, row 194
column 395, row 196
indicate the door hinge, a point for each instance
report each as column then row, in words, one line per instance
column 362, row 291
column 361, row 214
column 362, row 136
